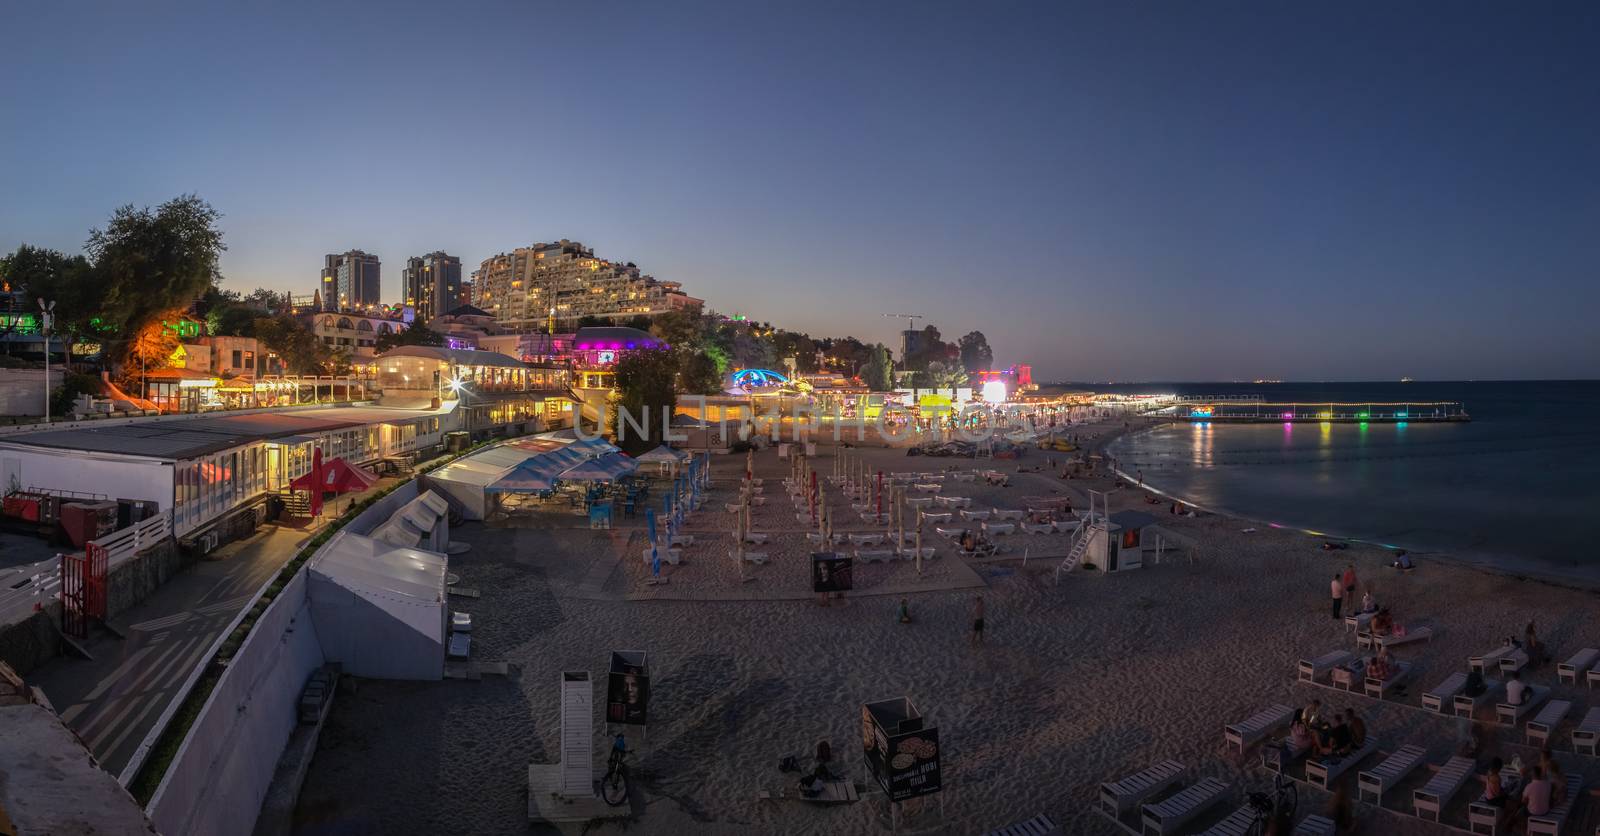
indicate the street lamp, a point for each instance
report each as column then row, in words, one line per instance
column 47, row 319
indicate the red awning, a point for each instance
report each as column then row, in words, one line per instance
column 339, row 476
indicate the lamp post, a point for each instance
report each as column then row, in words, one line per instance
column 47, row 318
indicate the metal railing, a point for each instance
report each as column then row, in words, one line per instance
column 25, row 590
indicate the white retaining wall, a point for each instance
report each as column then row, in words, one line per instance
column 215, row 784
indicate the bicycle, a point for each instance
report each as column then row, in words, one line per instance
column 614, row 786
column 1280, row 805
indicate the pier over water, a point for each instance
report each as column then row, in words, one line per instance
column 1261, row 412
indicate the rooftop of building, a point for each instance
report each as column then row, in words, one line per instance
column 179, row 437
column 614, row 337
column 454, row 356
column 467, row 310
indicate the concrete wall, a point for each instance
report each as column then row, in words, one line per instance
column 223, row 769
column 139, row 576
column 110, row 475
column 22, row 390
column 32, row 642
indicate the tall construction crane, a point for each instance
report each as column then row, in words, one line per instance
column 905, row 336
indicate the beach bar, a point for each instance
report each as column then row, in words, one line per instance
column 1261, row 412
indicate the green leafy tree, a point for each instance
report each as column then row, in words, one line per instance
column 65, row 280
column 646, row 388
column 414, row 334
column 149, row 262
column 679, row 329
column 699, row 373
column 976, row 356
column 878, row 376
column 300, row 350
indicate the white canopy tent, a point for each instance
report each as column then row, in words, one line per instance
column 378, row 608
column 463, row 482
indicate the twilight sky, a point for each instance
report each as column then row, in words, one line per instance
column 1132, row 191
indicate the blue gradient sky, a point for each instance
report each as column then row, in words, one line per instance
column 1119, row 190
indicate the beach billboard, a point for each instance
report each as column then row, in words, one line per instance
column 628, row 688
column 831, row 572
column 901, row 754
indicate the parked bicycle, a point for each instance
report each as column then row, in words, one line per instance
column 1279, row 805
column 614, row 786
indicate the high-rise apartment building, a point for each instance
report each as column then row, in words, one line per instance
column 528, row 286
column 433, row 285
column 350, row 282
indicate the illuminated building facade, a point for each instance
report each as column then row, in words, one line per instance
column 523, row 287
column 350, row 282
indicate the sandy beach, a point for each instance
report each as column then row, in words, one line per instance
column 1077, row 683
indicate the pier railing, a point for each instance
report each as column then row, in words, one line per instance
column 1347, row 412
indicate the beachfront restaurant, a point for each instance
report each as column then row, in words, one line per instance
column 495, row 393
column 209, row 470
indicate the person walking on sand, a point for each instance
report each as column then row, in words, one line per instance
column 977, row 620
column 1350, row 582
column 1338, row 595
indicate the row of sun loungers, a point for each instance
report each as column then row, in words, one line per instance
column 1503, row 659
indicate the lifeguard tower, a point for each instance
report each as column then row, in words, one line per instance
column 1117, row 541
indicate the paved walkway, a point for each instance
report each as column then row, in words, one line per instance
column 114, row 700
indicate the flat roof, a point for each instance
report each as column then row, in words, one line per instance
column 191, row 436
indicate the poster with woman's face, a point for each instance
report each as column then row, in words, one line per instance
column 628, row 698
column 831, row 573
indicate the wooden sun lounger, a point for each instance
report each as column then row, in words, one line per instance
column 1311, row 670
column 1509, row 715
column 1003, row 514
column 1379, row 688
column 937, row 516
column 1465, row 706
column 952, row 533
column 1279, row 755
column 1176, row 810
column 874, row 556
column 1432, row 798
column 1323, row 774
column 1436, row 698
column 1593, row 677
column 976, row 515
column 1583, row 660
column 1358, row 621
column 1514, row 661
column 1117, row 797
column 1259, row 725
column 755, row 557
column 1587, row 735
column 1040, row 825
column 866, row 539
column 1038, row 528
column 833, row 792
column 1366, row 641
column 999, row 528
column 1237, row 823
column 1550, row 823
column 1540, row 727
column 1314, row 826
column 1489, row 662
column 1393, row 770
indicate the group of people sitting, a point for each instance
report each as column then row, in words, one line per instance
column 1543, row 786
column 974, row 543
column 1331, row 735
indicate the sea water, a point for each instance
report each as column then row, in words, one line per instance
column 1518, row 487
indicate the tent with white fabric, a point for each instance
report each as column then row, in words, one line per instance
column 464, row 481
column 665, row 456
column 379, row 609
